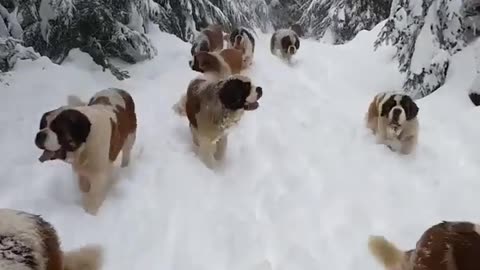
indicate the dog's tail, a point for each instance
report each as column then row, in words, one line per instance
column 180, row 106
column 73, row 100
column 385, row 252
column 86, row 258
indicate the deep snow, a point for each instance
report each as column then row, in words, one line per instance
column 304, row 183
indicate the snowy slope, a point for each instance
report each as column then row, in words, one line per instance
column 303, row 186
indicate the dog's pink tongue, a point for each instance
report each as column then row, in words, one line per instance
column 46, row 155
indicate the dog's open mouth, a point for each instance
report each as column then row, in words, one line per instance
column 52, row 155
column 251, row 106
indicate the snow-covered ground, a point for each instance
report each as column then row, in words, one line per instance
column 304, row 183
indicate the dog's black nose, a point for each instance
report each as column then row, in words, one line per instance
column 396, row 114
column 40, row 139
column 190, row 63
column 259, row 92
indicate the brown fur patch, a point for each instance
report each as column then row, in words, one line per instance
column 207, row 62
column 193, row 101
column 448, row 245
column 215, row 37
column 233, row 58
column 51, row 245
column 125, row 124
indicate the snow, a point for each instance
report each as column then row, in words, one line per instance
column 303, row 186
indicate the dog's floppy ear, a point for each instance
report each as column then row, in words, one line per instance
column 297, row 42
column 410, row 107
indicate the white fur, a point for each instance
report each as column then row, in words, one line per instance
column 51, row 141
column 23, row 228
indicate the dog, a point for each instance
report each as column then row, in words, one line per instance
column 218, row 64
column 213, row 108
column 28, row 242
column 392, row 117
column 241, row 39
column 90, row 138
column 444, row 246
column 286, row 41
column 208, row 39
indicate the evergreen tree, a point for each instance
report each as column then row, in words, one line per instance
column 441, row 24
column 343, row 19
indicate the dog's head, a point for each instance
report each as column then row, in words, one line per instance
column 205, row 62
column 61, row 130
column 201, row 45
column 290, row 44
column 238, row 37
column 237, row 92
column 398, row 108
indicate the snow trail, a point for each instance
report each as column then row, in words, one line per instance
column 303, row 184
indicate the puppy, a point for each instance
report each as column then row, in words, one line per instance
column 90, row 137
column 208, row 40
column 218, row 64
column 241, row 39
column 286, row 41
column 392, row 117
column 28, row 242
column 213, row 108
column 444, row 246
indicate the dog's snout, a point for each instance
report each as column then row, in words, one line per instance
column 40, row 139
column 259, row 92
column 396, row 114
column 190, row 63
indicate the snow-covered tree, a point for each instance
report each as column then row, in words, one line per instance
column 425, row 33
column 185, row 17
column 341, row 20
column 11, row 50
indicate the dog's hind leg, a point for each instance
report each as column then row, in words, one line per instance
column 221, row 148
column 127, row 149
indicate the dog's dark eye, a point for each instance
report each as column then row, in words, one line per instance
column 43, row 120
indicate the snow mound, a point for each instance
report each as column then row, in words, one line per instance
column 303, row 185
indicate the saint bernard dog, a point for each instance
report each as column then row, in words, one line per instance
column 218, row 64
column 90, row 137
column 392, row 117
column 28, row 242
column 445, row 246
column 209, row 39
column 241, row 39
column 285, row 41
column 213, row 108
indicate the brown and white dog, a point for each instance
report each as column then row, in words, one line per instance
column 218, row 65
column 241, row 39
column 208, row 40
column 213, row 108
column 444, row 246
column 28, row 242
column 90, row 137
column 393, row 119
column 286, row 41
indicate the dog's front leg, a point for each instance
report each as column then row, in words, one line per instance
column 206, row 151
column 221, row 148
column 96, row 194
